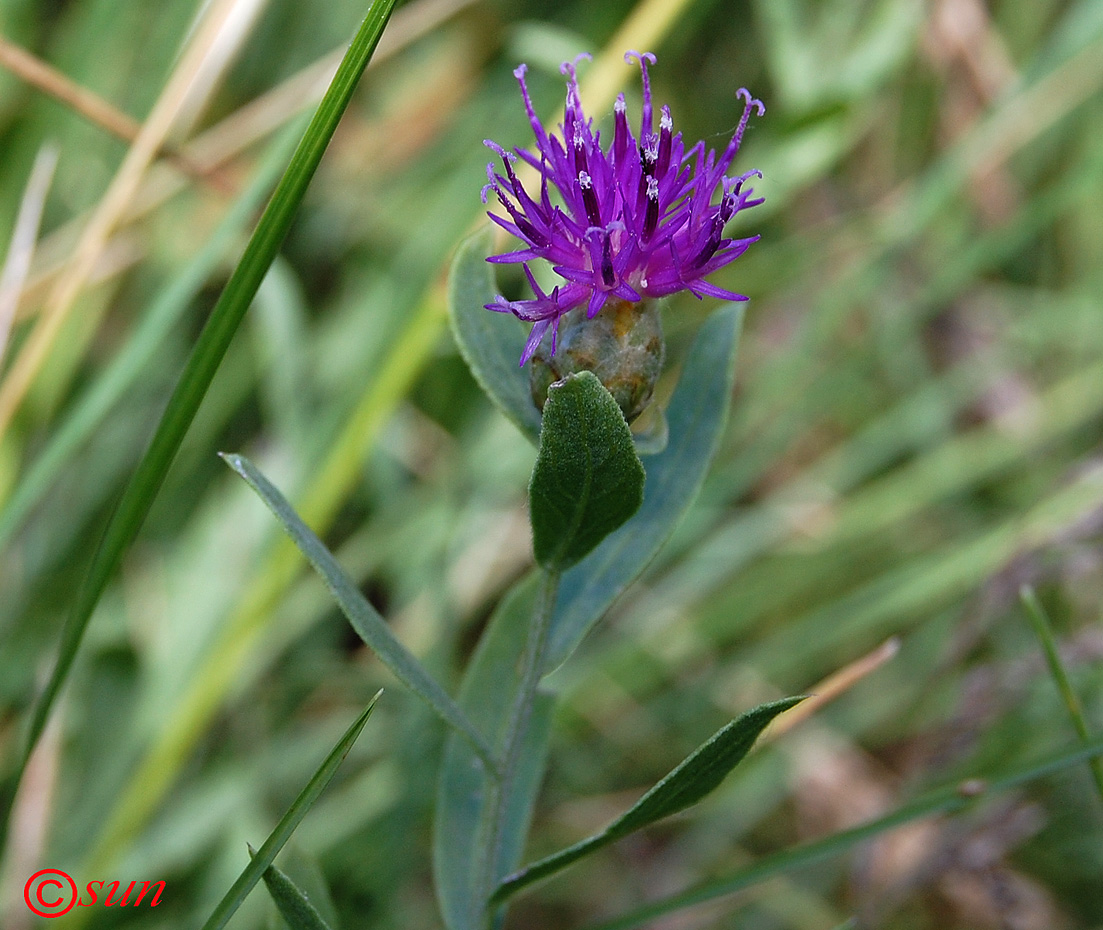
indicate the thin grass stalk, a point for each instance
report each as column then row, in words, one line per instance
column 1039, row 619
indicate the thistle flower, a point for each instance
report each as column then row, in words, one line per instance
column 627, row 223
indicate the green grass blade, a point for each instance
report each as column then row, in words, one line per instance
column 295, row 813
column 945, row 801
column 1044, row 630
column 204, row 360
column 689, row 782
column 365, row 619
column 164, row 311
column 292, row 902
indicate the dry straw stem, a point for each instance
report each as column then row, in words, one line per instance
column 84, row 102
column 834, row 685
column 21, row 249
column 80, row 100
column 255, row 121
column 110, row 210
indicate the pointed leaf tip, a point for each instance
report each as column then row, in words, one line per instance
column 689, row 782
column 292, row 902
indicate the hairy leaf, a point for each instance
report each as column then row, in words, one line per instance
column 588, row 479
column 291, row 901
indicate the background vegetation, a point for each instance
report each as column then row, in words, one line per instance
column 915, row 436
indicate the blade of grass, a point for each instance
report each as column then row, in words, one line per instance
column 893, row 600
column 204, row 360
column 1040, row 621
column 948, row 800
column 282, row 833
column 292, row 902
column 364, row 618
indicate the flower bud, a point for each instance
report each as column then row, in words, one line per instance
column 622, row 345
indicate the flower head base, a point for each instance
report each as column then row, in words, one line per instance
column 632, row 221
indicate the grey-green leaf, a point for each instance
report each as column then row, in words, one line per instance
column 487, row 696
column 490, row 343
column 695, row 777
column 696, row 417
column 588, row 479
column 231, row 901
column 292, row 902
column 365, row 619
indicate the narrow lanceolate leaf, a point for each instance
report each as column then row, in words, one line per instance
column 204, row 360
column 588, row 479
column 948, row 800
column 696, row 417
column 291, row 901
column 695, row 777
column 295, row 813
column 365, row 619
column 489, row 342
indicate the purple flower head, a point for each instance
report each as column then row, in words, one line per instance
column 631, row 221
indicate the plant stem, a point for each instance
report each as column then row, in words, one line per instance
column 500, row 789
column 1044, row 631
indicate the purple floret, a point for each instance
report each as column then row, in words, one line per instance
column 633, row 221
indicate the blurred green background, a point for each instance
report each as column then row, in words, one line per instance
column 915, row 435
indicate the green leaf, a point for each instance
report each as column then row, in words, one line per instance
column 947, row 800
column 695, row 777
column 588, row 479
column 295, row 813
column 204, row 361
column 487, row 696
column 365, row 619
column 490, row 343
column 696, row 417
column 291, row 901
